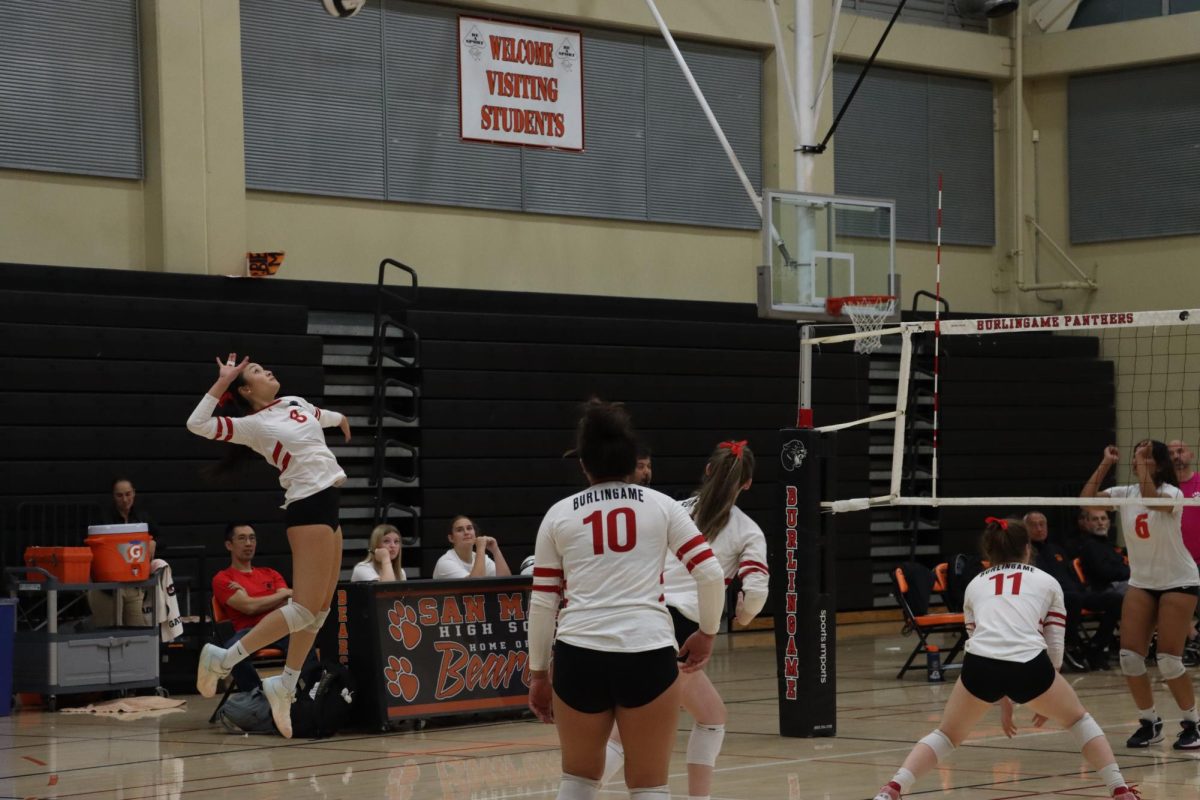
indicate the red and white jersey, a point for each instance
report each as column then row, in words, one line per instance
column 741, row 550
column 602, row 551
column 1013, row 612
column 1158, row 558
column 286, row 433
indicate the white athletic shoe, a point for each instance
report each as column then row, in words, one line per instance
column 890, row 791
column 281, row 704
column 209, row 670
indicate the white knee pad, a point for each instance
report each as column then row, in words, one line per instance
column 1170, row 667
column 705, row 743
column 939, row 743
column 1084, row 730
column 651, row 793
column 318, row 621
column 1132, row 664
column 573, row 787
column 298, row 617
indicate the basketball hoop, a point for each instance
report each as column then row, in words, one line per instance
column 867, row 312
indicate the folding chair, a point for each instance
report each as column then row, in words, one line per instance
column 911, row 586
column 222, row 633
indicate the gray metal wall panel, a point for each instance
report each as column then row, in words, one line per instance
column 428, row 162
column 608, row 179
column 943, row 13
column 689, row 179
column 1104, row 12
column 901, row 130
column 881, row 148
column 70, row 87
column 313, row 99
column 1134, row 153
column 961, row 149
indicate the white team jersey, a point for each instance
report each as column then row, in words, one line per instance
column 1013, row 612
column 450, row 566
column 741, row 550
column 286, row 433
column 603, row 550
column 1158, row 558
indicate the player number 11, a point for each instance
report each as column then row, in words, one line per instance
column 1015, row 577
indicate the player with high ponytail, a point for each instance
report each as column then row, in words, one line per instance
column 1016, row 619
column 741, row 550
column 288, row 433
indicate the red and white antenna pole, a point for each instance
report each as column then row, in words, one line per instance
column 937, row 339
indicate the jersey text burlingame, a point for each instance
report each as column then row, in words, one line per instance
column 613, row 493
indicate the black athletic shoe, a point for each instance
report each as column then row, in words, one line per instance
column 1188, row 738
column 1076, row 661
column 1148, row 733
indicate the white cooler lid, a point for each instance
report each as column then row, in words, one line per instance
column 131, row 527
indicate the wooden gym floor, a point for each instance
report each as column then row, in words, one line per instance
column 179, row 755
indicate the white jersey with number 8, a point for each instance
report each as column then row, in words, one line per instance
column 603, row 550
column 1158, row 558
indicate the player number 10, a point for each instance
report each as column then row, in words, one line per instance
column 613, row 529
column 1015, row 577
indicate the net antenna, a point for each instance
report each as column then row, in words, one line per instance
column 1132, row 339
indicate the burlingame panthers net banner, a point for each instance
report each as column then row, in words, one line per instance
column 520, row 84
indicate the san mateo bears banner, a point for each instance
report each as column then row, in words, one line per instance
column 426, row 648
column 520, row 84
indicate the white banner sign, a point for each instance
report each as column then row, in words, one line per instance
column 520, row 84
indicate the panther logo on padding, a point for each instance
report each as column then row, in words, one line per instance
column 402, row 625
column 793, row 455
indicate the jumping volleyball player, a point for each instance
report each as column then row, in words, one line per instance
column 287, row 432
column 1163, row 587
column 741, row 550
column 599, row 557
column 1016, row 619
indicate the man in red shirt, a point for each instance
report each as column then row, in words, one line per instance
column 246, row 594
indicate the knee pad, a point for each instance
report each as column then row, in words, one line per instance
column 939, row 743
column 705, row 743
column 573, row 787
column 1170, row 667
column 1132, row 664
column 318, row 621
column 297, row 616
column 1084, row 730
column 651, row 793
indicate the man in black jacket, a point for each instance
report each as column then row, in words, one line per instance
column 1107, row 605
column 1104, row 566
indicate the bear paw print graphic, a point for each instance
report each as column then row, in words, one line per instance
column 402, row 625
column 401, row 682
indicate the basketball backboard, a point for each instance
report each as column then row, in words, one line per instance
column 820, row 246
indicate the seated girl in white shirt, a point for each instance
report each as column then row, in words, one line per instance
column 470, row 555
column 383, row 557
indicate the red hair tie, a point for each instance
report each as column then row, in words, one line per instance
column 734, row 447
column 1002, row 523
column 225, row 399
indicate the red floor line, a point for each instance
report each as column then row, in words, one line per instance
column 37, row 761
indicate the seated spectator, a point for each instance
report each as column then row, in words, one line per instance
column 246, row 594
column 1104, row 566
column 134, row 609
column 383, row 557
column 645, row 466
column 1053, row 559
column 470, row 556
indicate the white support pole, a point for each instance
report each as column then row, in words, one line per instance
column 708, row 113
column 901, row 412
column 804, row 94
column 784, row 67
column 827, row 60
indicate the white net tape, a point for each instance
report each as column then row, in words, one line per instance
column 869, row 318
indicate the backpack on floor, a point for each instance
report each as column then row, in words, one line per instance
column 247, row 712
column 324, row 696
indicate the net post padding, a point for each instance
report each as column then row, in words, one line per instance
column 868, row 313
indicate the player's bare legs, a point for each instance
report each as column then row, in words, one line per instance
column 649, row 735
column 581, row 739
column 702, row 701
column 1175, row 611
column 1138, row 612
column 963, row 711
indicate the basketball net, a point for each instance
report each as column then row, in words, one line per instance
column 868, row 313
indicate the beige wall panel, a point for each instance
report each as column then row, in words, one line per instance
column 1116, row 46
column 344, row 240
column 67, row 220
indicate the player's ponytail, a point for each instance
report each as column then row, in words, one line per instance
column 1004, row 541
column 605, row 441
column 231, row 404
column 730, row 466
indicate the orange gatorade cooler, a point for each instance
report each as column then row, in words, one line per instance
column 66, row 564
column 119, row 552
